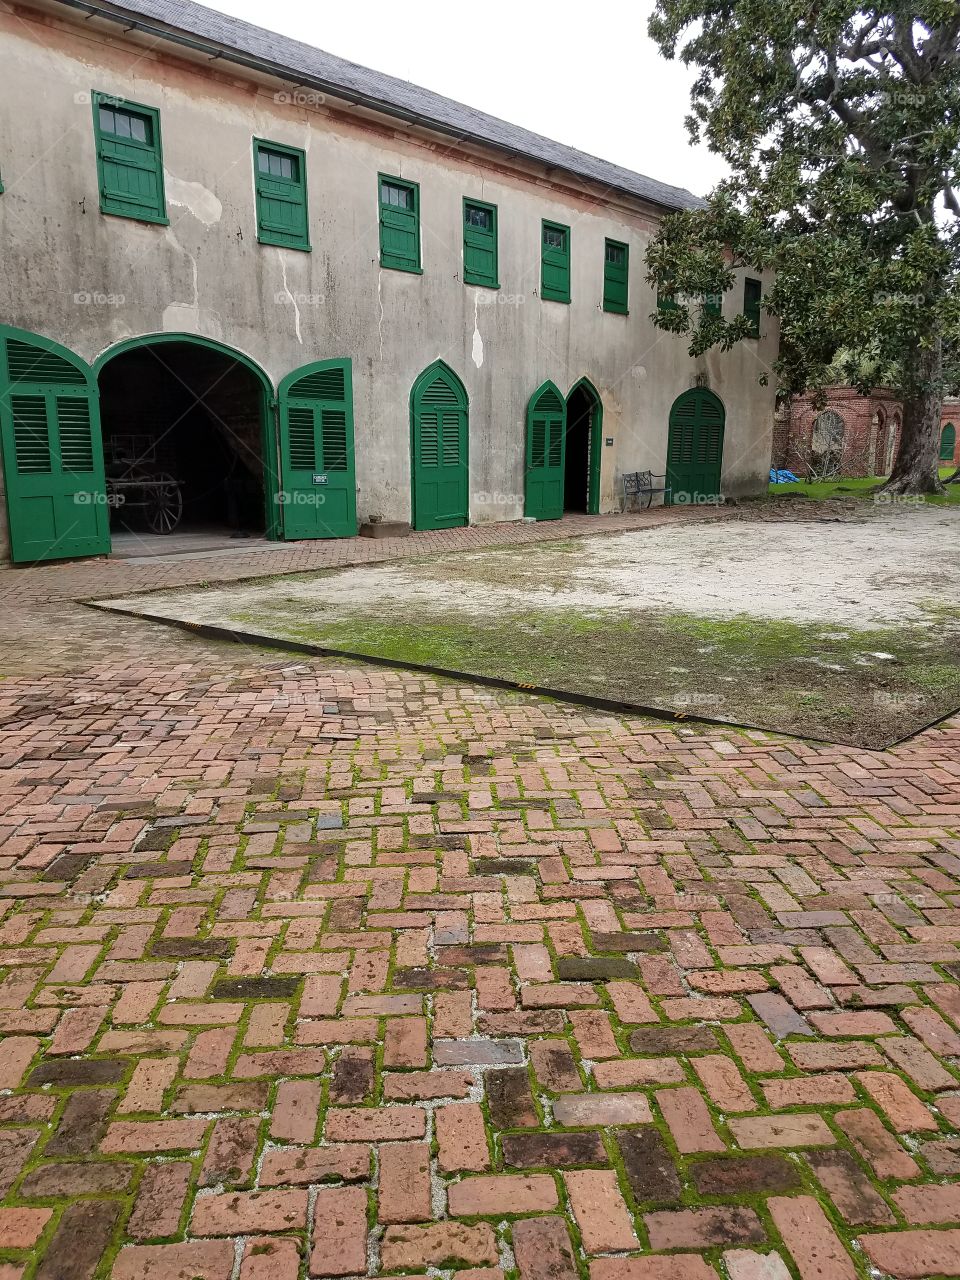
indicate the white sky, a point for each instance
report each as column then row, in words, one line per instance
column 586, row 74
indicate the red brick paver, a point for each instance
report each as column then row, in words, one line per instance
column 313, row 970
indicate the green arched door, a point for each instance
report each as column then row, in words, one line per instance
column 695, row 447
column 546, row 431
column 317, row 475
column 52, row 450
column 948, row 443
column 440, row 447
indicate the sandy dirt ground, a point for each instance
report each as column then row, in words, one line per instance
column 882, row 570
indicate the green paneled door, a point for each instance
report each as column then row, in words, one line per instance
column 438, row 414
column 52, row 451
column 948, row 442
column 695, row 448
column 317, row 480
column 544, row 476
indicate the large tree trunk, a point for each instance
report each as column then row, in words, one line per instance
column 917, row 468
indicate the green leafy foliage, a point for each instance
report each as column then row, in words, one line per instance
column 841, row 126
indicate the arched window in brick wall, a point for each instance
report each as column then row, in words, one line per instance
column 826, row 441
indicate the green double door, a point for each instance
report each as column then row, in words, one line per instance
column 52, row 451
column 695, row 447
column 318, row 490
column 544, row 461
column 439, row 425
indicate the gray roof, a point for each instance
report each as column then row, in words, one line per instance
column 303, row 64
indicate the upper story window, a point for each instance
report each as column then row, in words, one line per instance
column 281, row 195
column 480, row 244
column 752, row 292
column 555, row 262
column 713, row 304
column 129, row 159
column 616, row 258
column 399, row 224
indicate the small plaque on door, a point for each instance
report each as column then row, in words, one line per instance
column 317, row 479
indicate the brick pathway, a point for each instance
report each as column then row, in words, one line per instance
column 322, row 971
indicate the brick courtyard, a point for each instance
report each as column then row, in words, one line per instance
column 324, row 971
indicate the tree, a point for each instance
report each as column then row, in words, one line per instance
column 841, row 127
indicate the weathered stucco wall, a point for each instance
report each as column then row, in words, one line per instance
column 89, row 280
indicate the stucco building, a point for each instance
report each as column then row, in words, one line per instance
column 305, row 295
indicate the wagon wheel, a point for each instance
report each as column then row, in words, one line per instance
column 164, row 505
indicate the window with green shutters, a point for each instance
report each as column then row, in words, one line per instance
column 752, row 291
column 129, row 159
column 666, row 301
column 713, row 304
column 616, row 262
column 280, row 177
column 399, row 224
column 480, row 244
column 554, row 262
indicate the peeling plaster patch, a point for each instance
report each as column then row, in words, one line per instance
column 293, row 301
column 380, row 304
column 183, row 315
column 203, row 204
column 477, row 352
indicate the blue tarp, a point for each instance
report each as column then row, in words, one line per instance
column 782, row 477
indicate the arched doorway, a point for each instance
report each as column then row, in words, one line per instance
column 695, row 447
column 581, row 467
column 439, row 430
column 543, row 487
column 52, row 457
column 948, row 442
column 893, row 438
column 182, row 406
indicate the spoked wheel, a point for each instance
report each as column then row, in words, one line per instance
column 164, row 506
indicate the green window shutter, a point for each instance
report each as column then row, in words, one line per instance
column 666, row 301
column 399, row 224
column 554, row 262
column 752, row 291
column 948, row 443
column 280, row 182
column 713, row 304
column 616, row 263
column 480, row 244
column 129, row 159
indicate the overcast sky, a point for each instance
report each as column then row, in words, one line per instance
column 585, row 73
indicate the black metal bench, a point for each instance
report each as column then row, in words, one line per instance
column 640, row 486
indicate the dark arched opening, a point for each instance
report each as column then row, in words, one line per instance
column 581, row 478
column 189, row 411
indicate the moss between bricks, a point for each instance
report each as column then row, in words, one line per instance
column 814, row 679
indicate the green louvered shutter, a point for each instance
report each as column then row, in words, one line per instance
column 544, row 474
column 948, row 443
column 480, row 244
column 129, row 159
column 399, row 224
column 439, row 431
column 555, row 262
column 752, row 293
column 695, row 447
column 317, row 473
column 616, row 261
column 281, row 192
column 52, row 451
